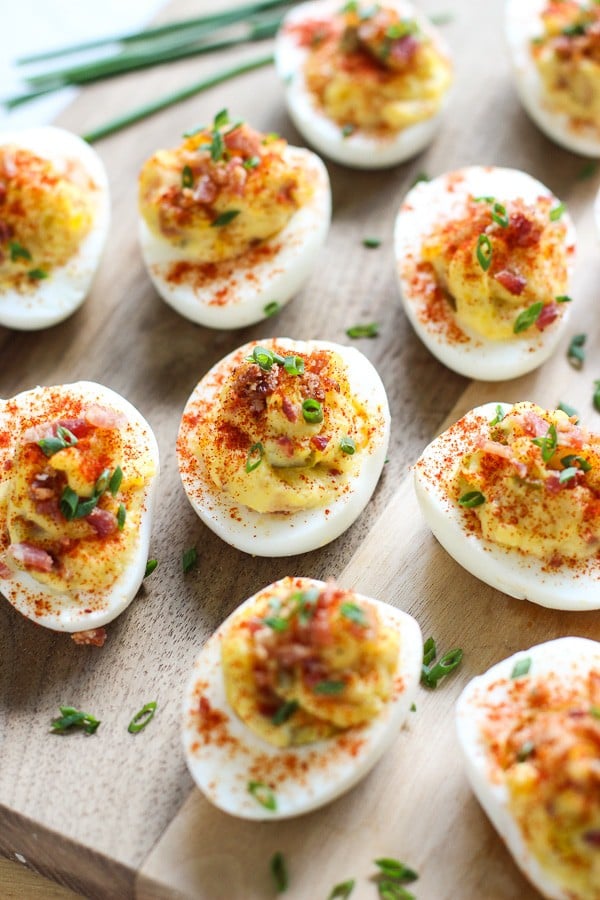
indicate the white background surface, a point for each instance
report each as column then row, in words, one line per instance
column 27, row 26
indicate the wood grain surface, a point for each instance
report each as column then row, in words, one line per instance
column 116, row 815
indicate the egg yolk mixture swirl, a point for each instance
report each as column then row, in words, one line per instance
column 303, row 664
column 533, row 484
column 72, row 500
column 567, row 57
column 223, row 191
column 503, row 267
column 369, row 68
column 544, row 740
column 285, row 432
column 44, row 215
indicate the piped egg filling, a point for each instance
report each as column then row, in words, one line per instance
column 72, row 497
column 46, row 211
column 567, row 58
column 301, row 665
column 220, row 193
column 532, row 484
column 501, row 265
column 542, row 735
column 370, row 68
column 285, row 432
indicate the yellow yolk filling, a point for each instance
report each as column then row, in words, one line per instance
column 221, row 192
column 260, row 448
column 44, row 215
column 302, row 665
column 522, row 262
column 539, row 475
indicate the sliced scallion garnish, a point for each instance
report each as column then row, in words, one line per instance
column 141, row 718
column 354, row 613
column 371, row 243
column 583, row 464
column 528, row 317
column 395, row 869
column 568, row 409
column 187, row 177
column 121, row 516
column 521, row 667
column 225, row 218
column 38, row 274
column 312, row 411
column 17, row 251
column 576, row 353
column 342, row 890
column 73, row 718
column 498, row 417
column 548, row 443
column 369, row 330
column 348, row 445
column 263, row 794
column 189, row 559
column 471, row 499
column 150, row 567
column 285, row 712
column 557, row 211
column 596, row 396
column 254, row 457
column 64, row 438
column 484, row 251
column 270, row 309
column 279, row 872
column 329, row 687
column 432, row 674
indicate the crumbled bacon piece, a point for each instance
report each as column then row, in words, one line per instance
column 320, row 441
column 403, row 50
column 289, row 410
column 513, row 283
column 102, row 521
column 102, row 417
column 206, row 190
column 311, row 387
column 31, row 557
column 522, row 232
column 547, row 316
column 93, row 637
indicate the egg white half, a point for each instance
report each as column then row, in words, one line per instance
column 238, row 292
column 516, row 574
column 79, row 610
column 304, row 777
column 55, row 298
column 360, row 149
column 523, row 23
column 285, row 534
column 572, row 658
column 443, row 198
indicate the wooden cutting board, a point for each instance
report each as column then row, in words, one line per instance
column 116, row 815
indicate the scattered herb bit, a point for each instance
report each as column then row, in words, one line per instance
column 431, row 675
column 528, row 317
column 64, row 438
column 429, row 651
column 587, row 171
column 294, row 365
column 271, row 308
column 442, row 18
column 276, row 623
column 312, row 411
column 371, row 243
column 354, row 613
column 413, row 707
column 252, row 162
column 255, row 457
column 264, row 358
column 347, row 130
column 572, row 458
column 150, row 567
column 471, row 499
column 574, row 30
column 221, row 119
column 556, row 213
column 348, row 445
column 521, row 667
column 115, row 482
column 270, row 137
column 17, row 251
column 350, row 7
column 225, row 218
column 548, row 443
column 421, row 176
column 564, row 298
column 217, row 147
column 187, row 177
column 498, row 417
column 499, row 215
column 342, row 890
column 329, row 687
column 525, row 751
column 567, row 474
column 568, row 409
column 484, row 199
column 189, row 559
column 285, row 712
column 37, row 274
column 393, row 868
column 401, row 29
column 596, row 396
column 576, row 353
column 141, row 718
column 69, row 502
column 263, row 794
column 121, row 516
column 595, row 712
column 73, row 718
column 370, row 330
column 484, row 251
column 102, row 482
column 279, row 872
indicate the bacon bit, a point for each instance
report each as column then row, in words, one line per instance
column 31, row 557
column 206, row 190
column 548, row 314
column 93, row 637
column 286, row 444
column 592, row 837
column 288, row 655
column 5, row 572
column 42, row 487
column 522, row 232
column 534, row 425
column 493, row 447
column 311, row 386
column 553, row 485
column 289, row 410
column 320, row 441
column 513, row 283
column 403, row 50
column 246, row 142
column 101, row 417
column 6, row 232
column 102, row 521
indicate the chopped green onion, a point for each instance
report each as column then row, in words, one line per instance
column 150, row 567
column 141, row 718
column 252, row 162
column 354, row 613
column 187, row 177
column 263, row 794
column 370, row 330
column 484, row 251
column 73, row 718
column 347, row 445
column 498, row 417
column 441, row 18
column 393, row 868
column 484, row 199
column 421, row 176
column 567, row 474
column 429, row 651
column 596, row 396
column 431, row 675
column 225, row 218
column 548, row 443
column 279, row 872
column 499, row 215
column 64, row 438
column 574, row 30
column 102, row 482
column 413, row 707
column 329, row 687
column 68, row 503
column 37, row 274
column 576, row 353
column 595, row 712
column 312, row 411
column 564, row 298
column 221, row 119
column 557, row 212
column 347, row 130
column 471, row 499
column 285, row 712
column 587, row 171
column 276, row 623
column 525, row 751
column 17, row 251
column 271, row 308
column 264, row 358
column 115, row 482
column 254, row 457
column 521, row 667
column 189, row 559
column 371, row 243
column 566, row 408
column 342, row 890
column 528, row 317
column 572, row 458
column 121, row 515
column 294, row 365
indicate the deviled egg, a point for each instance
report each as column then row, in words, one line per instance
column 282, row 443
column 555, row 49
column 54, row 216
column 529, row 729
column 78, row 467
column 513, row 494
column 365, row 83
column 296, row 696
column 484, row 257
column 231, row 222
